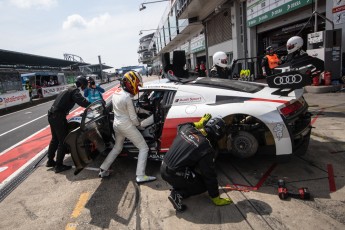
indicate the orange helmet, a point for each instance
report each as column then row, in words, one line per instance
column 131, row 82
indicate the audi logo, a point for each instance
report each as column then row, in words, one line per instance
column 288, row 80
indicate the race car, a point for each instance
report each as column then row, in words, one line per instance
column 258, row 119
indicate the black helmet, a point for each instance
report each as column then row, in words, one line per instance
column 81, row 82
column 90, row 79
column 269, row 49
column 215, row 128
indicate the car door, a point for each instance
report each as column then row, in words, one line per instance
column 86, row 139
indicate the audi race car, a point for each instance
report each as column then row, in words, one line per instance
column 259, row 118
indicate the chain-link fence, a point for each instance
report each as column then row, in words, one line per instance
column 10, row 81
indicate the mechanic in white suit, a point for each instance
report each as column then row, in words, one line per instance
column 126, row 125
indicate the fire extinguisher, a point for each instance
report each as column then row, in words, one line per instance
column 327, row 78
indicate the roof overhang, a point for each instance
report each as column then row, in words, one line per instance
column 200, row 8
column 12, row 58
column 186, row 34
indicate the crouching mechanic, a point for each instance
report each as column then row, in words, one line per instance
column 189, row 165
column 126, row 125
column 63, row 103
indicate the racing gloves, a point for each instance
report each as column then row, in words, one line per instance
column 200, row 124
column 221, row 201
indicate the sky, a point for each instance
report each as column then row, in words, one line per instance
column 86, row 28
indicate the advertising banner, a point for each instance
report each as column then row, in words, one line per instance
column 54, row 90
column 12, row 99
column 259, row 11
column 338, row 11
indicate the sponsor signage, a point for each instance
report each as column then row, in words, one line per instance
column 197, row 44
column 12, row 99
column 259, row 11
column 338, row 11
column 288, row 80
column 51, row 91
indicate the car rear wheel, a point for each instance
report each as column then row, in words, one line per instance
column 243, row 144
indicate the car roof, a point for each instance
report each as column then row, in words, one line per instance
column 235, row 85
column 227, row 84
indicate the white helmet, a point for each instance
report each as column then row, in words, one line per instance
column 220, row 59
column 293, row 44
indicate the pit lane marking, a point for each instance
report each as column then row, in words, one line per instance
column 331, row 181
column 84, row 197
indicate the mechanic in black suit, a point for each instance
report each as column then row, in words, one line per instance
column 189, row 165
column 63, row 103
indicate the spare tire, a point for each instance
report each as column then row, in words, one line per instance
column 244, row 145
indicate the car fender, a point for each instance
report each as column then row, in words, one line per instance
column 270, row 117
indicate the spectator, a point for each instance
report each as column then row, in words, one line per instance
column 93, row 92
column 28, row 87
column 220, row 70
column 269, row 62
column 202, row 69
column 51, row 82
column 197, row 68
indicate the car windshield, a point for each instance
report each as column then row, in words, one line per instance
column 229, row 84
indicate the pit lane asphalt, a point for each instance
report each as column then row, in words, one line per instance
column 22, row 121
column 46, row 200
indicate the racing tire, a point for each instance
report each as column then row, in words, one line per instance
column 244, row 145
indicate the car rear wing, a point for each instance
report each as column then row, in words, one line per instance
column 287, row 82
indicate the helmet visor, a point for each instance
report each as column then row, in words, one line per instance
column 290, row 46
column 224, row 61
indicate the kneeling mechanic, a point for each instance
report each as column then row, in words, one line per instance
column 189, row 165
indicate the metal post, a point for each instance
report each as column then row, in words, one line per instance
column 100, row 65
column 206, row 49
column 315, row 10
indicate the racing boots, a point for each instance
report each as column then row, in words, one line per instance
column 176, row 199
column 61, row 168
column 103, row 173
column 50, row 163
column 143, row 179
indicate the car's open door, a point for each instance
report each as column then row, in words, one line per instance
column 86, row 140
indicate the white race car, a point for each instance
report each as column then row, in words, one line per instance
column 258, row 118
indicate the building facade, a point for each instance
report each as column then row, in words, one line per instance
column 145, row 54
column 243, row 29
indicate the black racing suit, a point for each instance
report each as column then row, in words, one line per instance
column 63, row 103
column 219, row 72
column 189, row 165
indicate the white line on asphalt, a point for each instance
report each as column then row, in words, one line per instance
column 22, row 125
column 24, row 109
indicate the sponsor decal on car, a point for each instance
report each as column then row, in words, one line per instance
column 160, row 87
column 75, row 119
column 278, row 129
column 188, row 100
column 288, row 80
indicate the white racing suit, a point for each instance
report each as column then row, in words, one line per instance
column 125, row 122
column 147, row 121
